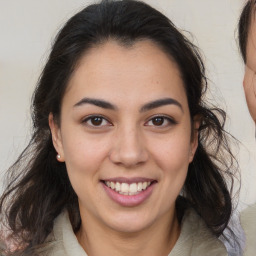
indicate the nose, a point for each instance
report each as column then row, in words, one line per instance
column 129, row 148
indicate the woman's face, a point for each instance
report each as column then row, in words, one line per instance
column 125, row 135
column 250, row 71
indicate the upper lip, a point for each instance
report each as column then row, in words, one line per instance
column 129, row 180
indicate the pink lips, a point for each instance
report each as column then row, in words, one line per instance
column 129, row 200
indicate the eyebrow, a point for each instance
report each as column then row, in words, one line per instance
column 160, row 103
column 148, row 106
column 97, row 102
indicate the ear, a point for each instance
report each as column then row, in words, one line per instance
column 194, row 137
column 56, row 138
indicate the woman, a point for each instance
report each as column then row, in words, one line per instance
column 247, row 40
column 125, row 152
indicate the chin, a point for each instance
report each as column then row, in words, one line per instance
column 130, row 223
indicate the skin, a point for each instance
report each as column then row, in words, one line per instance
column 127, row 143
column 250, row 69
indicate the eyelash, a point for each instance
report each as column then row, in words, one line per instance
column 169, row 120
column 89, row 119
column 85, row 121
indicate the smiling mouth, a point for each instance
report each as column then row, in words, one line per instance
column 128, row 189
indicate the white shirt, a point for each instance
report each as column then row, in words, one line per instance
column 195, row 239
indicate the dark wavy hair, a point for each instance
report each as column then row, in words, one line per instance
column 244, row 25
column 39, row 187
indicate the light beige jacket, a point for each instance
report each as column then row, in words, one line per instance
column 195, row 239
column 248, row 221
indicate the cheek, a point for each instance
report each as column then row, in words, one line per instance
column 84, row 156
column 173, row 154
column 250, row 93
column 172, row 158
column 248, row 79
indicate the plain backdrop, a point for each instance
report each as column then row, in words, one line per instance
column 28, row 27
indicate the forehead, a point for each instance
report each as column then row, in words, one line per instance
column 113, row 69
column 112, row 51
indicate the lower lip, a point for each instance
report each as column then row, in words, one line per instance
column 126, row 200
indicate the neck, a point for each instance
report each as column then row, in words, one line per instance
column 158, row 239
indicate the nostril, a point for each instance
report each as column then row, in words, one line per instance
column 128, row 158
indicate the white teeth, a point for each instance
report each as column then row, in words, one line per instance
column 139, row 186
column 133, row 188
column 118, row 187
column 126, row 189
column 112, row 185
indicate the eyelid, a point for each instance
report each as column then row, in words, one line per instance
column 170, row 120
column 90, row 117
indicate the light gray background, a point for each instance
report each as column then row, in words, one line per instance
column 28, row 27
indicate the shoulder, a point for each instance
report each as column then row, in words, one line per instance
column 196, row 239
column 249, row 226
column 248, row 216
column 63, row 241
column 2, row 247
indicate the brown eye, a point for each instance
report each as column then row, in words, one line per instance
column 158, row 121
column 96, row 121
